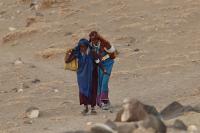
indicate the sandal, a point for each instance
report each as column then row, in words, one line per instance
column 85, row 111
column 93, row 111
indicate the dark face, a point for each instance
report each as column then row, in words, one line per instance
column 94, row 37
column 94, row 40
column 83, row 49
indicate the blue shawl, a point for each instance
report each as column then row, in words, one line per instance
column 85, row 68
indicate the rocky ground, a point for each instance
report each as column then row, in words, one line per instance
column 159, row 60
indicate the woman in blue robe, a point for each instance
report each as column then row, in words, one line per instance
column 86, row 76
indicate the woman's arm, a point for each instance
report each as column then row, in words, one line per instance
column 110, row 49
column 98, row 61
column 69, row 56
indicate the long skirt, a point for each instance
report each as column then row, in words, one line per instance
column 103, row 80
column 91, row 100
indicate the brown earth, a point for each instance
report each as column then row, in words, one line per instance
column 159, row 59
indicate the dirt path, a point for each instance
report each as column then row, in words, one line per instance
column 159, row 59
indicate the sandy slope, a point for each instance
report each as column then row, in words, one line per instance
column 166, row 67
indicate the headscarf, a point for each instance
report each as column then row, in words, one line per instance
column 83, row 42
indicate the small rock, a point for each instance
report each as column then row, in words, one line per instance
column 18, row 11
column 172, row 110
column 89, row 123
column 32, row 112
column 55, row 90
column 18, row 62
column 12, row 29
column 136, row 50
column 32, row 66
column 111, row 124
column 104, row 116
column 39, row 14
column 28, row 122
column 25, row 86
column 192, row 129
column 36, row 81
column 20, row 90
column 3, row 91
column 68, row 33
column 14, row 89
column 178, row 124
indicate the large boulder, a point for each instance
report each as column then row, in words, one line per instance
column 134, row 110
column 174, row 110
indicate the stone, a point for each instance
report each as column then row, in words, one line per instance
column 172, row 110
column 55, row 90
column 155, row 123
column 35, row 81
column 32, row 112
column 136, row 50
column 12, row 28
column 101, row 128
column 180, row 125
column 175, row 109
column 18, row 62
column 20, row 90
column 89, row 123
column 151, row 110
column 28, row 122
column 111, row 124
column 134, row 110
column 192, row 129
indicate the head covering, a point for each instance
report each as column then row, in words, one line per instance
column 84, row 42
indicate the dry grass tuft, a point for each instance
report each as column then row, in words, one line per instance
column 50, row 52
column 47, row 3
column 18, row 34
column 30, row 21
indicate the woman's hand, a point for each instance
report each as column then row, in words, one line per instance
column 105, row 72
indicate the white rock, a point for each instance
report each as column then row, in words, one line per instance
column 55, row 90
column 18, row 62
column 12, row 28
column 20, row 90
column 89, row 123
column 32, row 112
column 18, row 11
column 192, row 129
